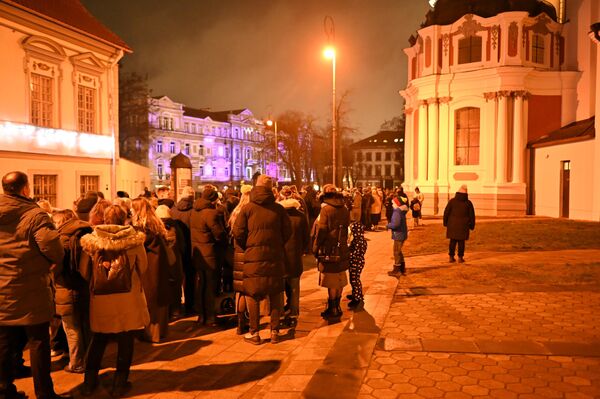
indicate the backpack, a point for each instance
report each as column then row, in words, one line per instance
column 111, row 273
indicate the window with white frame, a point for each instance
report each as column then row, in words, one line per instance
column 201, row 150
column 466, row 122
column 201, row 170
column 214, row 171
column 248, row 153
column 42, row 100
column 186, row 127
column 45, row 187
column 88, row 183
column 86, row 109
column 159, row 170
column 172, row 147
column 227, row 172
column 159, row 146
column 186, row 149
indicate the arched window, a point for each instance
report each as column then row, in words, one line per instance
column 469, row 49
column 466, row 144
column 537, row 48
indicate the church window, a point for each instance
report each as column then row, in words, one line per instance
column 469, row 49
column 537, row 49
column 467, row 136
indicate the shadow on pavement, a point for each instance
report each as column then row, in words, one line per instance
column 171, row 351
column 199, row 378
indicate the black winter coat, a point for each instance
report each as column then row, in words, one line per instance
column 261, row 229
column 183, row 210
column 332, row 224
column 71, row 287
column 298, row 242
column 208, row 236
column 180, row 247
column 459, row 217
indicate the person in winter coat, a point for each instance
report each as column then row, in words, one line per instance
column 182, row 211
column 29, row 245
column 237, row 256
column 294, row 249
column 161, row 260
column 85, row 205
column 72, row 293
column 331, row 238
column 356, row 205
column 208, row 253
column 358, row 248
column 415, row 207
column 367, row 202
column 376, row 208
column 261, row 230
column 114, row 315
column 164, row 197
column 96, row 215
column 459, row 218
column 178, row 244
column 399, row 234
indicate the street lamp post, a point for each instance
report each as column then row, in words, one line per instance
column 329, row 53
column 273, row 123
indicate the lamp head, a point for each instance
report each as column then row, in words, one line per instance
column 329, row 53
column 269, row 122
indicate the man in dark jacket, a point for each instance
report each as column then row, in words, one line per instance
column 261, row 229
column 182, row 211
column 208, row 243
column 459, row 218
column 29, row 245
column 294, row 249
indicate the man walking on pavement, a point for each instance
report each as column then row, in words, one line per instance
column 29, row 245
column 459, row 218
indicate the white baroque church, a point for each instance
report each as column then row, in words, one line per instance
column 502, row 96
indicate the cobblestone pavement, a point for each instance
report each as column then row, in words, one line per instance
column 411, row 340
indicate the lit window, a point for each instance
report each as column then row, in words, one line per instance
column 467, row 136
column 159, row 146
column 172, row 147
column 41, row 100
column 86, row 109
column 469, row 49
column 88, row 183
column 537, row 49
column 44, row 187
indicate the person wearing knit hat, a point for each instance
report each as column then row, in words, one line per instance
column 459, row 218
column 399, row 234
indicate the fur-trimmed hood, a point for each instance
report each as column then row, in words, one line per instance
column 290, row 203
column 334, row 199
column 113, row 238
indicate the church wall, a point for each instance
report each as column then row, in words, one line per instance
column 544, row 115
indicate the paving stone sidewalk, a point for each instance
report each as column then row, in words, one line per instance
column 410, row 341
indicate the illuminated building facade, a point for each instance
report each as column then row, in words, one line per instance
column 225, row 147
column 58, row 103
column 502, row 97
column 379, row 160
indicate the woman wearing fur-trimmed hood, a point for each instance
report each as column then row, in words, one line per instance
column 114, row 314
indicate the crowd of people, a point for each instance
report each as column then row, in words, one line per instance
column 116, row 270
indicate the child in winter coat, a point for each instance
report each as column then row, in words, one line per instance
column 358, row 247
column 399, row 234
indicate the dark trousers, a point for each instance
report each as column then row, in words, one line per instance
column 206, row 294
column 189, row 287
column 124, row 351
column 253, row 305
column 39, row 350
column 461, row 247
column 398, row 255
column 357, row 263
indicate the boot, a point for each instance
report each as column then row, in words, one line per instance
column 402, row 268
column 90, row 382
column 461, row 259
column 452, row 260
column 120, row 384
column 395, row 272
column 329, row 310
column 242, row 326
column 337, row 309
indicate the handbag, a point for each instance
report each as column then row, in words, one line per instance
column 334, row 256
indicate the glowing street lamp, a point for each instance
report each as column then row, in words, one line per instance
column 329, row 53
column 272, row 123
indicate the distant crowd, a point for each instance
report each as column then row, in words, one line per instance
column 123, row 269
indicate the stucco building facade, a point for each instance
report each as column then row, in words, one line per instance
column 486, row 81
column 58, row 103
column 378, row 160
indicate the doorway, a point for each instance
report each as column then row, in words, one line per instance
column 565, row 180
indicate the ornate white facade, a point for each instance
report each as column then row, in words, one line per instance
column 58, row 103
column 225, row 148
column 480, row 89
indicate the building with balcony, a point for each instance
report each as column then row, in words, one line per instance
column 379, row 160
column 225, row 147
column 501, row 96
column 58, row 103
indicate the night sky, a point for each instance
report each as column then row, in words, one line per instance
column 267, row 55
